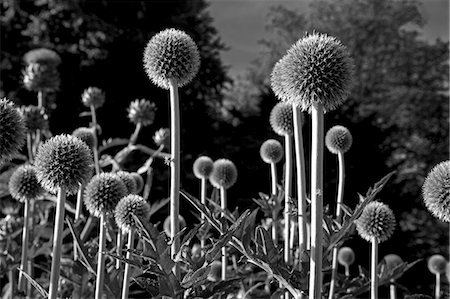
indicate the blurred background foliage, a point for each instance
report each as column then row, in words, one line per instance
column 397, row 111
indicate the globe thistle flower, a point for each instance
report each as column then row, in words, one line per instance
column 437, row 264
column 128, row 180
column 86, row 135
column 317, row 68
column 63, row 161
column 271, row 151
column 376, row 221
column 24, row 185
column 42, row 56
column 224, row 174
column 203, row 167
column 139, row 181
column 392, row 261
column 93, row 96
column 161, row 137
column 38, row 77
column 12, row 130
column 103, row 193
column 35, row 118
column 436, row 191
column 142, row 111
column 346, row 256
column 127, row 207
column 166, row 224
column 171, row 54
column 281, row 119
column 338, row 139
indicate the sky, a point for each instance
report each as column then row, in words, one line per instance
column 240, row 24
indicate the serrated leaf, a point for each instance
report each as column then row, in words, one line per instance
column 81, row 249
column 202, row 209
column 195, row 277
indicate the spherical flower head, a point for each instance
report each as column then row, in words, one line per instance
column 103, row 193
column 93, row 96
column 24, row 185
column 437, row 264
column 86, row 135
column 42, row 56
column 128, row 180
column 436, row 191
column 35, row 118
column 317, row 68
column 281, row 119
column 171, row 54
column 203, row 167
column 271, row 151
column 392, row 261
column 142, row 111
column 166, row 225
column 37, row 77
column 127, row 207
column 338, row 139
column 139, row 181
column 224, row 174
column 346, row 256
column 161, row 137
column 376, row 221
column 63, row 161
column 12, row 130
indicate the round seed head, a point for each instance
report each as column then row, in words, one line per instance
column 103, row 193
column 166, row 225
column 317, row 68
column 38, row 77
column 24, row 185
column 63, row 161
column 12, row 130
column 281, row 119
column 127, row 207
column 437, row 264
column 142, row 111
column 139, row 181
column 86, row 135
column 338, row 139
column 161, row 137
column 203, row 167
column 346, row 256
column 436, row 191
column 35, row 118
column 392, row 261
column 42, row 56
column 376, row 221
column 93, row 96
column 171, row 54
column 128, row 180
column 271, row 151
column 224, row 174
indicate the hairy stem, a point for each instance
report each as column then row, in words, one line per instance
column 373, row 270
column 25, row 241
column 134, row 137
column 223, row 206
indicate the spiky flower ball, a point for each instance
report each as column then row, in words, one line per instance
column 271, row 151
column 161, row 137
column 42, row 56
column 24, row 185
column 338, row 139
column 12, row 130
column 281, row 119
column 171, row 54
column 346, row 256
column 376, row 221
column 166, row 224
column 142, row 111
column 139, row 181
column 128, row 180
column 63, row 161
column 436, row 191
column 38, row 77
column 127, row 207
column 87, row 135
column 103, row 193
column 224, row 174
column 203, row 167
column 93, row 96
column 35, row 118
column 392, row 261
column 437, row 264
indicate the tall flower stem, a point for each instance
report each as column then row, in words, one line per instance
column 25, row 241
column 223, row 206
column 273, row 170
column 203, row 201
column 57, row 243
column 437, row 290
column 135, row 135
column 30, row 147
column 174, row 170
column 30, row 267
column 41, row 104
column 340, row 198
column 126, row 275
column 287, row 197
column 78, row 214
column 373, row 270
column 119, row 245
column 315, row 277
column 95, row 147
column 101, row 259
column 392, row 290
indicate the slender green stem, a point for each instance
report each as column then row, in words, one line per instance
column 287, row 197
column 438, row 286
column 12, row 282
column 126, row 275
column 273, row 170
column 135, row 135
column 57, row 243
column 101, row 259
column 30, row 147
column 119, row 245
column 41, row 104
column 25, row 241
column 78, row 214
column 174, row 170
column 347, row 270
column 95, row 147
column 315, row 277
column 223, row 206
column 148, row 183
column 373, row 270
column 392, row 290
column 203, row 201
column 30, row 267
